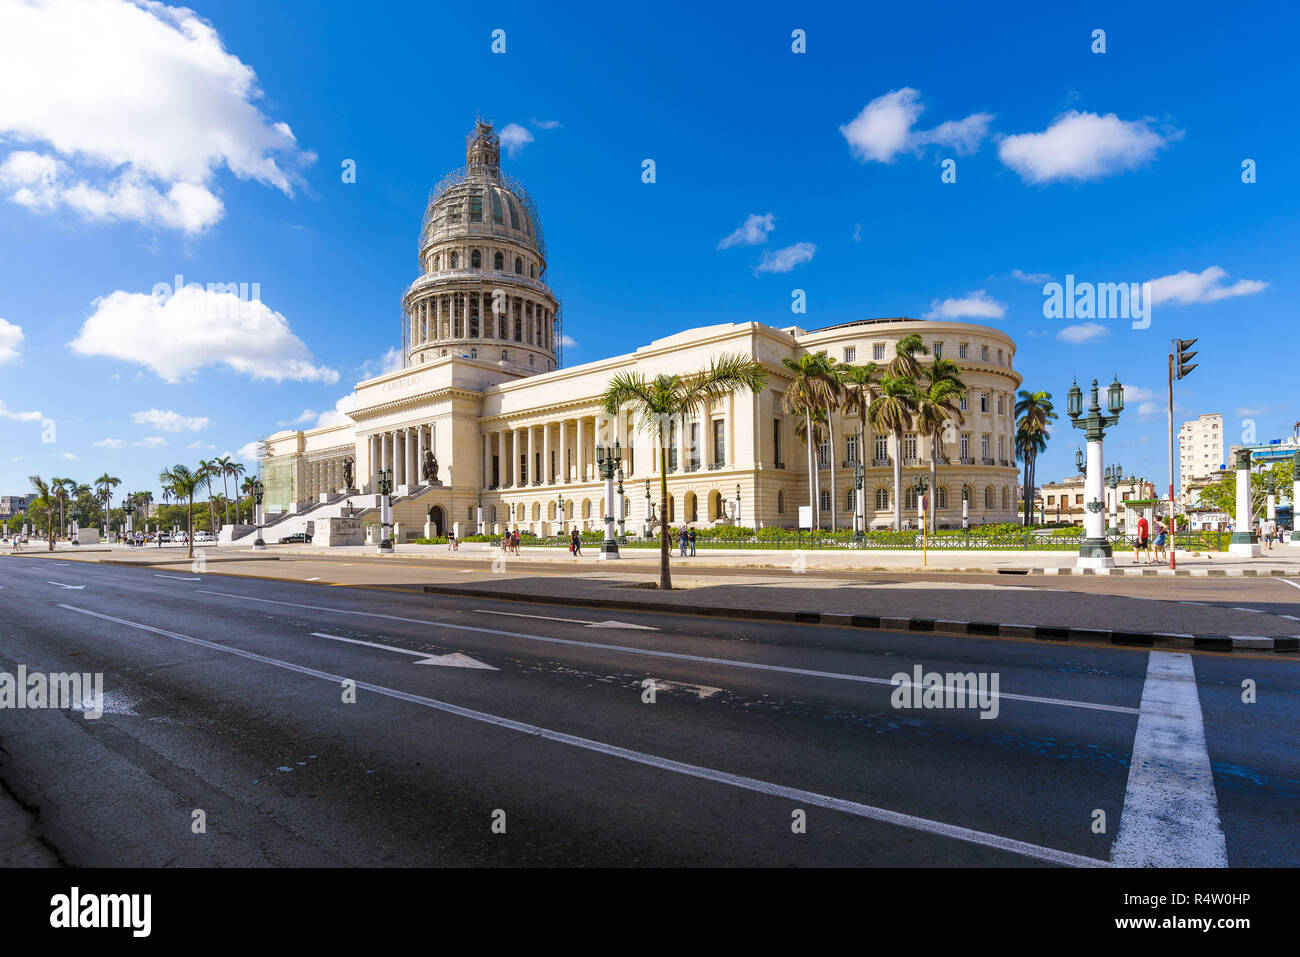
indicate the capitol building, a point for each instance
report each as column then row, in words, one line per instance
column 484, row 411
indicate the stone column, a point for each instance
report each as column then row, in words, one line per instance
column 1244, row 541
column 683, row 429
column 580, row 450
column 546, row 475
column 419, row 455
column 517, row 453
column 533, row 473
column 1093, row 550
column 487, row 467
column 564, row 452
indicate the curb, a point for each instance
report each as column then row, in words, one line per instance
column 1169, row 573
column 185, row 561
column 980, row 629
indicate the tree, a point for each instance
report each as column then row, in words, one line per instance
column 235, row 470
column 180, row 482
column 105, row 485
column 61, row 487
column 1034, row 415
column 892, row 412
column 904, row 364
column 1222, row 495
column 668, row 398
column 936, row 405
column 814, row 386
column 207, row 471
column 250, row 483
column 44, row 499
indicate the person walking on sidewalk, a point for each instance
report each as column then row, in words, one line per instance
column 691, row 533
column 576, row 539
column 1141, row 541
column 681, row 542
column 1161, row 535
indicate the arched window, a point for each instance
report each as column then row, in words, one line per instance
column 504, row 355
column 436, row 259
column 455, row 260
column 476, row 260
column 519, row 266
column 988, row 496
column 848, row 500
column 492, row 514
column 514, row 213
column 532, row 270
column 780, row 503
column 550, row 508
column 882, row 499
column 1005, row 496
column 499, row 262
column 496, row 206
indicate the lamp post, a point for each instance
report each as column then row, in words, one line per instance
column 1113, row 474
column 622, row 508
column 128, row 507
column 385, row 511
column 1094, row 549
column 559, row 504
column 258, row 490
column 737, row 518
column 479, row 512
column 607, row 462
column 859, row 506
column 965, row 507
column 921, row 485
column 649, row 510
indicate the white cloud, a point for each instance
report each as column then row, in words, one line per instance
column 785, row 259
column 109, row 444
column 514, row 138
column 1250, row 411
column 170, row 421
column 11, row 338
column 248, row 452
column 70, row 456
column 136, row 106
column 200, row 445
column 857, row 232
column 19, row 416
column 152, row 441
column 339, row 414
column 1184, row 288
column 568, row 342
column 548, row 124
column 1031, row 277
column 195, row 328
column 1149, row 410
column 303, row 417
column 976, row 305
column 390, row 361
column 752, row 232
column 1082, row 146
column 1135, row 393
column 1083, row 332
column 884, row 129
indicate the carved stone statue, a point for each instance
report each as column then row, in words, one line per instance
column 430, row 470
column 347, row 473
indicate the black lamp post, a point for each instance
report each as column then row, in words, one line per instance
column 622, row 519
column 128, row 507
column 1094, row 549
column 1114, row 474
column 649, row 509
column 385, row 504
column 737, row 519
column 559, row 504
column 258, row 490
column 607, row 462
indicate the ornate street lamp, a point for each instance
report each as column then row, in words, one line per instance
column 479, row 513
column 1078, row 462
column 385, row 511
column 737, row 516
column 921, row 485
column 649, row 510
column 258, row 490
column 1094, row 549
column 1114, row 474
column 128, row 507
column 859, row 475
column 965, row 507
column 559, row 504
column 607, row 465
column 622, row 517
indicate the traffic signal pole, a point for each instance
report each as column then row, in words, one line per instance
column 1173, row 531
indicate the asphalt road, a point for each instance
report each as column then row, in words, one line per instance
column 226, row 696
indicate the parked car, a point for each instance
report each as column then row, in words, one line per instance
column 163, row 536
column 297, row 538
column 203, row 537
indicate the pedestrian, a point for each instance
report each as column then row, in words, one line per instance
column 516, row 541
column 1270, row 532
column 1141, row 541
column 451, row 541
column 681, row 542
column 576, row 540
column 692, row 534
column 1161, row 533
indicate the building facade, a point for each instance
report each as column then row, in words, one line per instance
column 1064, row 501
column 1200, row 449
column 483, row 411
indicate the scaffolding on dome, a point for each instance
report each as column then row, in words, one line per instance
column 557, row 334
column 459, row 177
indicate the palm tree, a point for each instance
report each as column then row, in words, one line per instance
column 181, row 483
column 105, row 485
column 235, row 470
column 1034, row 414
column 892, row 412
column 46, row 499
column 250, row 482
column 207, row 471
column 937, row 405
column 813, row 387
column 657, row 403
column 904, row 364
column 60, row 487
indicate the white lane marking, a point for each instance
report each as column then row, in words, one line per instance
column 314, row 579
column 1062, row 702
column 1287, row 581
column 996, row 841
column 61, row 585
column 453, row 660
column 1171, row 813
column 573, row 621
column 179, row 578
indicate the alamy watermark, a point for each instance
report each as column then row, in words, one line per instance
column 933, row 689
column 222, row 300
column 62, row 691
column 1100, row 300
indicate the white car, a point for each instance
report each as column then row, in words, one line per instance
column 203, row 537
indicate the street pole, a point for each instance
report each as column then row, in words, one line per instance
column 1295, row 495
column 1173, row 537
column 1094, row 548
column 258, row 490
column 606, row 462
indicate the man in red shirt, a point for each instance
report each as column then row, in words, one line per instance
column 1142, row 541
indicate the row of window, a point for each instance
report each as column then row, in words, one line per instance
column 455, row 258
column 474, row 201
column 465, row 315
column 878, row 350
column 911, row 448
column 883, row 498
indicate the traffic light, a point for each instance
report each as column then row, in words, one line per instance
column 1182, row 358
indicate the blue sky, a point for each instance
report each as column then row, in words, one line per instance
column 141, row 143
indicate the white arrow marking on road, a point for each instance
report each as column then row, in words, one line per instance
column 453, row 660
column 61, row 585
column 572, row 621
column 797, row 795
column 179, row 578
column 1171, row 813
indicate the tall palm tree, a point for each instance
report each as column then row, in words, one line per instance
column 235, row 470
column 105, row 485
column 859, row 384
column 61, row 487
column 657, row 403
column 938, row 404
column 44, row 498
column 1034, row 415
column 180, row 482
column 904, row 364
column 207, row 471
column 250, row 483
column 892, row 412
column 814, row 386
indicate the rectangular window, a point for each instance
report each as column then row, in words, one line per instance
column 476, row 207
column 984, row 401
column 909, row 446
column 878, row 351
column 962, row 350
column 999, row 403
column 965, row 445
column 695, row 445
column 1078, row 500
column 882, row 448
column 965, row 403
column 938, row 350
column 984, row 446
column 984, row 353
column 850, row 354
column 851, row 449
column 824, row 455
column 1051, row 500
column 776, row 442
column 999, row 357
column 720, row 441
column 1002, row 447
